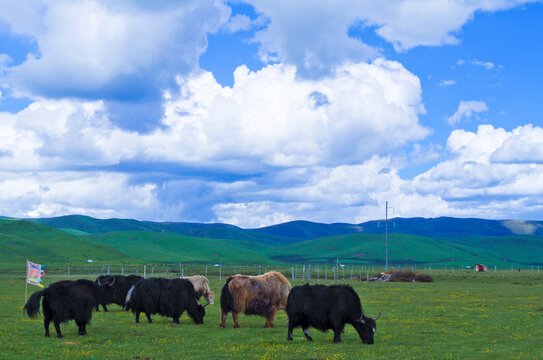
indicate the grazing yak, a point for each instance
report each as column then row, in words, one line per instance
column 166, row 297
column 328, row 307
column 261, row 295
column 201, row 286
column 66, row 300
column 119, row 288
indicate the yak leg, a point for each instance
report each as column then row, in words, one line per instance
column 47, row 317
column 97, row 307
column 137, row 318
column 223, row 318
column 81, row 328
column 235, row 318
column 306, row 333
column 105, row 308
column 46, row 322
column 57, row 328
column 149, row 318
column 290, row 328
column 176, row 319
column 270, row 318
column 337, row 333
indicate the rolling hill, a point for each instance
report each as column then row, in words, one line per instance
column 422, row 241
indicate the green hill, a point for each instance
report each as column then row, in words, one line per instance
column 21, row 239
column 79, row 224
column 164, row 247
column 370, row 248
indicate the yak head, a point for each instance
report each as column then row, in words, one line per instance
column 198, row 315
column 366, row 328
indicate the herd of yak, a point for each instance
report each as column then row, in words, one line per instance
column 318, row 306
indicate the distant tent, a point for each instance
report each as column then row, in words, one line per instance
column 480, row 267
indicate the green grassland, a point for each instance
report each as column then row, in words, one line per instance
column 461, row 315
column 403, row 249
column 23, row 239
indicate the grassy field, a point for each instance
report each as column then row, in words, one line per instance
column 461, row 315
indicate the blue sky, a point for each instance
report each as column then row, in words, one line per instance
column 259, row 112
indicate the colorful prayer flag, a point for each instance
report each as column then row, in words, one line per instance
column 34, row 274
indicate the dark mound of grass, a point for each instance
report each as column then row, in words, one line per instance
column 408, row 276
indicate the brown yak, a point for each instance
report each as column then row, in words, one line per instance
column 261, row 295
column 201, row 286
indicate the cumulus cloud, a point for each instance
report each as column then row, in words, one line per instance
column 269, row 126
column 103, row 195
column 524, row 145
column 271, row 117
column 466, row 110
column 294, row 26
column 121, row 52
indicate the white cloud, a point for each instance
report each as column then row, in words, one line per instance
column 294, row 26
column 524, row 145
column 103, row 195
column 271, row 117
column 485, row 64
column 445, row 83
column 121, row 51
column 467, row 109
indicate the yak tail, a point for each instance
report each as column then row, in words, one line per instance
column 227, row 301
column 32, row 307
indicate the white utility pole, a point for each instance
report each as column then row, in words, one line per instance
column 386, row 235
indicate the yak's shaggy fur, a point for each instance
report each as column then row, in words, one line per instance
column 261, row 295
column 201, row 286
column 66, row 300
column 166, row 297
column 328, row 307
column 119, row 288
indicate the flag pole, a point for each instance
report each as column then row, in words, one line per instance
column 26, row 282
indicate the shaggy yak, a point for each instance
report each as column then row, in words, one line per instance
column 201, row 286
column 166, row 297
column 261, row 295
column 66, row 300
column 328, row 307
column 119, row 288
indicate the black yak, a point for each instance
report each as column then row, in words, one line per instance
column 66, row 300
column 166, row 297
column 261, row 295
column 119, row 288
column 328, row 307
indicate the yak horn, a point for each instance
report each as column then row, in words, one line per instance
column 113, row 282
column 206, row 304
column 378, row 316
column 99, row 282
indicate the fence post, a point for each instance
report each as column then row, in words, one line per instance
column 318, row 275
column 108, row 268
column 292, row 271
column 122, row 271
column 152, row 271
column 137, row 270
column 326, row 274
column 144, row 271
column 309, row 273
column 351, row 273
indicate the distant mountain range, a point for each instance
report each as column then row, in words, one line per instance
column 440, row 241
column 297, row 231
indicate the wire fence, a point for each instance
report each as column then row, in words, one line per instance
column 295, row 272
